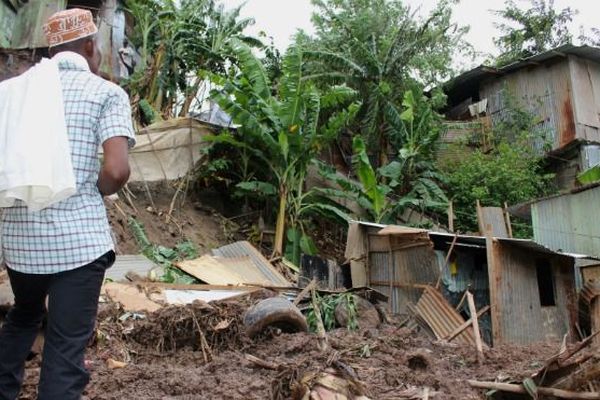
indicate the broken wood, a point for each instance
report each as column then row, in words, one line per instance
column 588, row 372
column 439, row 281
column 262, row 363
column 513, row 388
column 305, row 291
column 475, row 324
column 464, row 326
column 322, row 335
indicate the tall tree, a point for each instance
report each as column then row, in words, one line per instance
column 529, row 31
column 179, row 43
column 380, row 48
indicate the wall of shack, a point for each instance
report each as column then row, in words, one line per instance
column 397, row 269
column 517, row 314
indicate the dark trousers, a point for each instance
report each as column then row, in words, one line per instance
column 71, row 318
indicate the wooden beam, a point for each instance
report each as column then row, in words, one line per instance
column 464, row 326
column 512, row 388
column 495, row 280
column 475, row 324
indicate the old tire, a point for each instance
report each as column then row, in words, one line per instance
column 367, row 315
column 276, row 312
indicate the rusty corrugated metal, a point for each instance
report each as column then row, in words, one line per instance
column 406, row 267
column 545, row 92
column 441, row 317
column 515, row 300
column 245, row 249
column 567, row 223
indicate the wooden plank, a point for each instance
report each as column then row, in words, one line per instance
column 511, row 388
column 495, row 280
column 584, row 103
column 475, row 324
column 356, row 253
column 464, row 326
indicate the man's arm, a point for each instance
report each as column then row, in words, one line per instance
column 115, row 169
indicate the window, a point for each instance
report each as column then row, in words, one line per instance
column 545, row 282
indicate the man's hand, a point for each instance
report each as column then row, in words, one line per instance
column 115, row 170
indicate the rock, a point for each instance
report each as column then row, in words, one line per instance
column 367, row 315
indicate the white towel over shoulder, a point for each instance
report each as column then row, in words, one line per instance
column 35, row 156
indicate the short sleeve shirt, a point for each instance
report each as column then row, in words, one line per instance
column 75, row 231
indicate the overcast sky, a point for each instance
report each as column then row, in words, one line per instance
column 281, row 18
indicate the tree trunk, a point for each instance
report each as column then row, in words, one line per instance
column 280, row 227
column 189, row 98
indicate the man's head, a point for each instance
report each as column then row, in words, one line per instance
column 74, row 30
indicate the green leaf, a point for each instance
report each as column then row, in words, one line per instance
column 284, row 144
column 263, row 188
column 308, row 246
column 531, row 388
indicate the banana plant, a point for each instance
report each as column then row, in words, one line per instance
column 284, row 128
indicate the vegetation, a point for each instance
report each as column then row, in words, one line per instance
column 180, row 43
column 281, row 134
column 538, row 28
column 380, row 49
column 165, row 256
column 510, row 173
column 327, row 306
column 368, row 82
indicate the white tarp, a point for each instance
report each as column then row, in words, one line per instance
column 167, row 150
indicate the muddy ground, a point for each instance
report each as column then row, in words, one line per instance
column 195, row 352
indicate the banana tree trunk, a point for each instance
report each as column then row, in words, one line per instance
column 280, row 227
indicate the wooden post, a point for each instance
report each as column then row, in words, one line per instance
column 511, row 388
column 475, row 323
column 507, row 221
column 595, row 319
column 495, row 281
column 451, row 216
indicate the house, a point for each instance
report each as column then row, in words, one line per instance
column 531, row 290
column 561, row 87
column 566, row 222
column 22, row 41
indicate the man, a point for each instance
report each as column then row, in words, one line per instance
column 127, row 60
column 58, row 256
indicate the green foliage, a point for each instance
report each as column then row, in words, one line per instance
column 327, row 306
column 281, row 133
column 180, row 43
column 531, row 31
column 511, row 172
column 411, row 179
column 165, row 256
column 380, row 49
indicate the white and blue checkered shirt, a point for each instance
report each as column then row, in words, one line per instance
column 73, row 232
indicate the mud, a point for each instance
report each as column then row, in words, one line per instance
column 190, row 353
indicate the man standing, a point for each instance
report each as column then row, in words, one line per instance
column 62, row 252
column 126, row 60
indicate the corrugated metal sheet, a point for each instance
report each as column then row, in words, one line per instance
column 441, row 317
column 545, row 92
column 245, row 249
column 28, row 33
column 568, row 223
column 129, row 263
column 406, row 267
column 516, row 306
column 7, row 22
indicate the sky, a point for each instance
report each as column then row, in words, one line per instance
column 282, row 18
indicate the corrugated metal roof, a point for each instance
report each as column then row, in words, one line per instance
column 129, row 263
column 245, row 249
column 482, row 72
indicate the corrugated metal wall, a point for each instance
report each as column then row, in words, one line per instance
column 585, row 82
column 7, row 23
column 569, row 223
column 520, row 318
column 416, row 265
column 546, row 91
